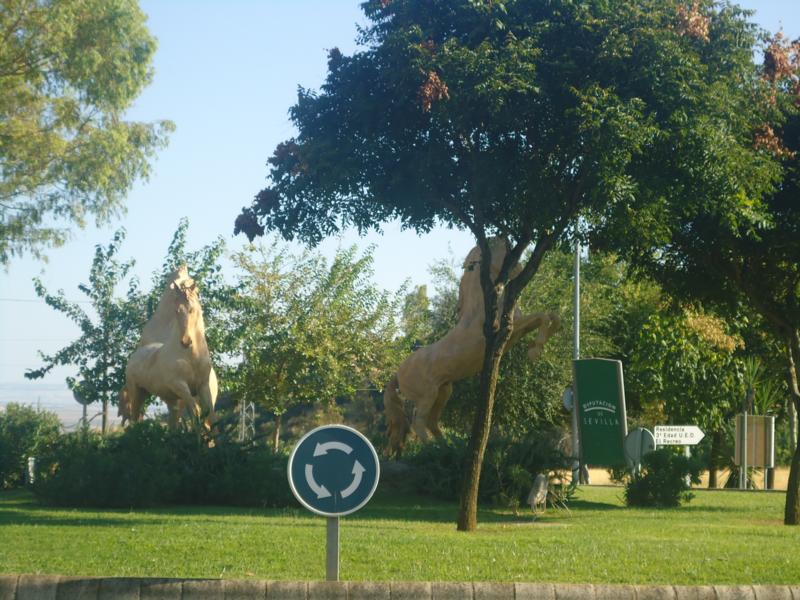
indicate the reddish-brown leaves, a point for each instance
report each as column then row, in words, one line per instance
column 433, row 90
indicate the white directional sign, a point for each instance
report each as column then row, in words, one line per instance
column 678, row 435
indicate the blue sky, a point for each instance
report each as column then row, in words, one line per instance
column 226, row 74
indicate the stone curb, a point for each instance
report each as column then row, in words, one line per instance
column 49, row 587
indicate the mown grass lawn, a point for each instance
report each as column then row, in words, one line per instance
column 719, row 538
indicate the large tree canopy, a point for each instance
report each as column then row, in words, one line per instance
column 726, row 259
column 514, row 117
column 68, row 71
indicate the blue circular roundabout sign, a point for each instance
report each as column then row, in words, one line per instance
column 333, row 470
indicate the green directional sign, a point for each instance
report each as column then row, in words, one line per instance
column 333, row 470
column 600, row 394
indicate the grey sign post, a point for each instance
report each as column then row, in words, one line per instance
column 333, row 471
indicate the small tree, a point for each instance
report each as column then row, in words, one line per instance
column 688, row 362
column 512, row 118
column 309, row 331
column 24, row 432
column 100, row 353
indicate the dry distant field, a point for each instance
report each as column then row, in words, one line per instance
column 600, row 477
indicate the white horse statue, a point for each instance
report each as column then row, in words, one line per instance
column 172, row 360
column 426, row 377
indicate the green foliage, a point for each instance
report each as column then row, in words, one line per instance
column 662, row 482
column 687, row 362
column 24, row 432
column 508, row 470
column 513, row 117
column 70, row 69
column 148, row 465
column 416, row 316
column 768, row 392
column 100, row 353
column 309, row 330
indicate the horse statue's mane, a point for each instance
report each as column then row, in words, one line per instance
column 179, row 372
column 426, row 377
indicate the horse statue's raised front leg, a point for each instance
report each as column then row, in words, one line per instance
column 546, row 324
column 184, row 399
column 206, row 398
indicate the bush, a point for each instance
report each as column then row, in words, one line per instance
column 437, row 466
column 148, row 465
column 662, row 481
column 24, row 432
column 508, row 468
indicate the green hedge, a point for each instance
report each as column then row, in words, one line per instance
column 509, row 467
column 24, row 432
column 147, row 465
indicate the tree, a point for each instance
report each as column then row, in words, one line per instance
column 512, row 118
column 68, row 71
column 101, row 352
column 24, row 432
column 310, row 331
column 728, row 260
column 416, row 318
column 688, row 363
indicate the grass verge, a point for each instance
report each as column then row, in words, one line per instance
column 719, row 538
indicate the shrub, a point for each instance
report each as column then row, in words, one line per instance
column 136, row 468
column 662, row 481
column 437, row 466
column 24, row 432
column 508, row 469
column 148, row 465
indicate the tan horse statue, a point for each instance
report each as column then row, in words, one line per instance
column 426, row 377
column 180, row 374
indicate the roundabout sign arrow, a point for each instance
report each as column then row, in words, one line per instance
column 333, row 470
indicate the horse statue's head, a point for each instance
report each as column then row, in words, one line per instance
column 189, row 313
column 498, row 246
column 180, row 277
column 469, row 289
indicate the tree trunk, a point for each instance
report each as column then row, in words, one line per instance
column 105, row 416
column 769, row 479
column 792, row 415
column 792, row 511
column 481, row 427
column 276, row 435
column 713, row 459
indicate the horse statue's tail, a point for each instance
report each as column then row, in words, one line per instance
column 397, row 425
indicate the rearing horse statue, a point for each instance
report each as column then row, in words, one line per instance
column 181, row 373
column 426, row 377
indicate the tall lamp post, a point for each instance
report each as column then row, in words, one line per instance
column 579, row 472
